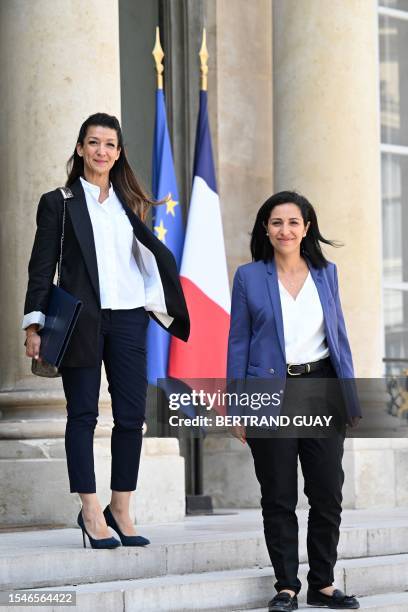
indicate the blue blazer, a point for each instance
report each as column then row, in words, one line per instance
column 256, row 344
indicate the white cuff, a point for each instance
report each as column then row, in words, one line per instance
column 165, row 319
column 33, row 317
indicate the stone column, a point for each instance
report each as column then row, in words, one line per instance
column 243, row 126
column 240, row 102
column 327, row 146
column 59, row 63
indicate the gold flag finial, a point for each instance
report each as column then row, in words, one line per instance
column 158, row 58
column 203, row 59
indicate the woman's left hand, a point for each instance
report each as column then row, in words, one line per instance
column 354, row 421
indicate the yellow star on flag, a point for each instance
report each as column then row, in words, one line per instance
column 160, row 231
column 170, row 207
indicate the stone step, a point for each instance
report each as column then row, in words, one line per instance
column 199, row 544
column 386, row 602
column 232, row 589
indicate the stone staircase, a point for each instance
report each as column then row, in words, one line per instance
column 206, row 563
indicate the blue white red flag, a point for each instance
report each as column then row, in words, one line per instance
column 203, row 271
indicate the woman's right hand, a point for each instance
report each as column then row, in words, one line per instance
column 33, row 343
column 239, row 431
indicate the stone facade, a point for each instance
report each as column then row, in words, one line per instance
column 293, row 100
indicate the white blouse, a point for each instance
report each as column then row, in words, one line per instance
column 121, row 283
column 303, row 324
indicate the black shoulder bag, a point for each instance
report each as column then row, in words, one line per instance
column 60, row 318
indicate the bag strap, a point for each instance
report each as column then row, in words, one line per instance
column 67, row 195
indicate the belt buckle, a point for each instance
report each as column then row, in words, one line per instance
column 292, row 373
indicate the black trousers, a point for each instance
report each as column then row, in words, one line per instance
column 122, row 348
column 276, row 461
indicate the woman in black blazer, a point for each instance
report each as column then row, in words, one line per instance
column 120, row 271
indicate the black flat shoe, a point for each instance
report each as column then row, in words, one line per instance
column 126, row 540
column 337, row 601
column 100, row 543
column 282, row 602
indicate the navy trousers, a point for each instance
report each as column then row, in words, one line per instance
column 122, row 348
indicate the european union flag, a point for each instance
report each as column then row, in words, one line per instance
column 167, row 226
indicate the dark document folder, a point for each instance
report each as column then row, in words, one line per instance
column 60, row 319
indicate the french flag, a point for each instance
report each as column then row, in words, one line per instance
column 203, row 271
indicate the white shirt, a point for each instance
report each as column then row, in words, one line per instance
column 303, row 324
column 121, row 283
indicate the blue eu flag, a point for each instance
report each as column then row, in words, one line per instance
column 167, row 226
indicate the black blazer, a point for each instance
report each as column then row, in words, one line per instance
column 79, row 272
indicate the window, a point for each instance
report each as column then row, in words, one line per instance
column 393, row 44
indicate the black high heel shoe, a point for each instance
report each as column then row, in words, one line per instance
column 100, row 543
column 126, row 540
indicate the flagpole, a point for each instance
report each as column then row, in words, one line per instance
column 197, row 502
column 156, row 335
column 203, row 55
column 158, row 55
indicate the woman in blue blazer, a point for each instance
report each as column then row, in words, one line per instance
column 286, row 322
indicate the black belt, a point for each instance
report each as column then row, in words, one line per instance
column 305, row 368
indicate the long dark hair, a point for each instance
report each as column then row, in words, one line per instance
column 261, row 247
column 121, row 175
